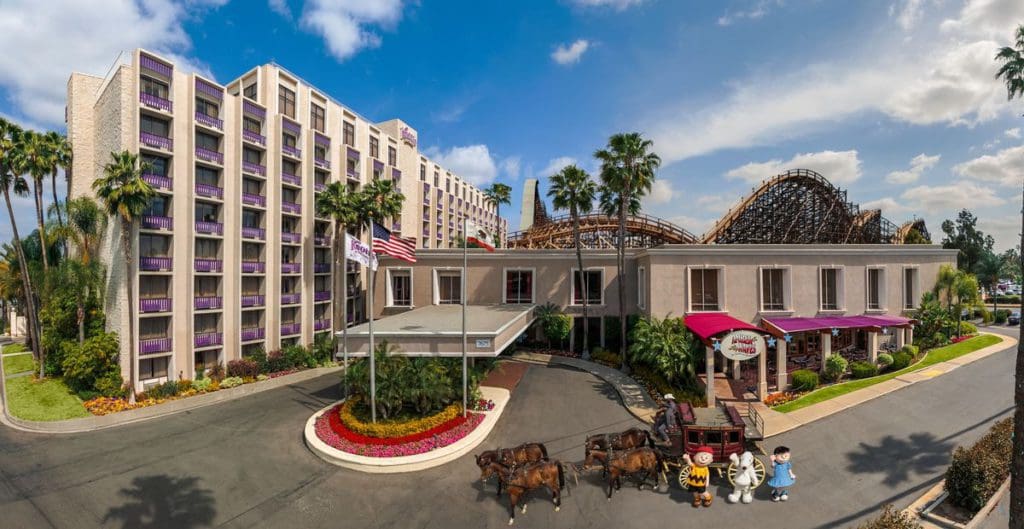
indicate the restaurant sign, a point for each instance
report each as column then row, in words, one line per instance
column 408, row 136
column 742, row 345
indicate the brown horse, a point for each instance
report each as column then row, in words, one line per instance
column 510, row 457
column 631, row 438
column 521, row 480
column 642, row 462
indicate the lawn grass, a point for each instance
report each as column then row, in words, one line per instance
column 49, row 400
column 933, row 357
column 18, row 364
column 13, row 348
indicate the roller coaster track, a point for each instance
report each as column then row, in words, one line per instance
column 601, row 231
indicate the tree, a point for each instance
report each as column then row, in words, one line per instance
column 666, row 346
column 960, row 289
column 914, row 237
column 990, row 269
column 554, row 324
column 337, row 203
column 34, row 160
column 498, row 194
column 125, row 195
column 58, row 152
column 963, row 235
column 572, row 189
column 1012, row 73
column 84, row 230
column 627, row 172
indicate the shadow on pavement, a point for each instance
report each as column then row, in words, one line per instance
column 920, row 453
column 164, row 501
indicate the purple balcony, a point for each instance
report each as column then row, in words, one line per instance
column 154, row 264
column 321, row 325
column 155, row 305
column 254, row 168
column 321, row 163
column 291, row 298
column 209, row 121
column 254, row 200
column 253, row 300
column 426, row 232
column 156, row 102
column 251, row 108
column 291, row 127
column 321, row 268
column 322, row 240
column 253, row 267
column 254, row 333
column 287, row 236
column 207, row 190
column 208, row 302
column 208, row 339
column 208, row 265
column 288, row 329
column 292, row 179
column 318, row 187
column 440, row 235
column 440, row 222
column 426, row 201
column 157, row 181
column 290, row 207
column 291, row 268
column 396, row 226
column 156, row 142
column 214, row 228
column 254, row 137
column 254, row 233
column 451, row 223
column 156, row 222
column 352, row 175
column 209, row 89
column 155, row 345
column 323, row 295
column 294, row 152
column 209, row 156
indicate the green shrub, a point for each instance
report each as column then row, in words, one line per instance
column 891, row 518
column 657, row 381
column 901, row 360
column 986, row 317
column 606, row 357
column 163, row 391
column 217, row 372
column 967, row 327
column 885, row 360
column 261, row 377
column 977, row 472
column 276, row 361
column 804, row 380
column 243, row 368
column 111, row 384
column 202, row 384
column 557, row 328
column 1001, row 316
column 296, row 356
column 835, row 367
column 863, row 369
column 231, row 382
column 911, row 350
column 260, row 357
column 92, row 365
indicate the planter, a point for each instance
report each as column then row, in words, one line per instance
column 934, row 511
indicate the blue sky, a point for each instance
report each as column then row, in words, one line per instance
column 893, row 100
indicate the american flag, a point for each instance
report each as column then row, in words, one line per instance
column 397, row 247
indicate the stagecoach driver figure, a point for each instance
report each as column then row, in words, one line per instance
column 668, row 420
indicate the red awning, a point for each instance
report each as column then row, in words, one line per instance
column 711, row 324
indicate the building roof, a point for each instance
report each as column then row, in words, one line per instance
column 444, row 320
column 791, row 325
column 709, row 324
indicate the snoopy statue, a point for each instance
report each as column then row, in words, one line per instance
column 745, row 479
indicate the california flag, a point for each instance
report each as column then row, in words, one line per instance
column 477, row 236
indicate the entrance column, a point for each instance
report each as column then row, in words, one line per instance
column 910, row 334
column 781, row 375
column 826, row 348
column 735, row 369
column 872, row 346
column 762, row 376
column 709, row 360
column 899, row 338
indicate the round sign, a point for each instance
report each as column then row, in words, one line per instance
column 742, row 345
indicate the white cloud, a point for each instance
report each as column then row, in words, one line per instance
column 472, row 163
column 918, row 165
column 570, row 54
column 694, row 225
column 280, row 7
column 1005, row 230
column 908, row 14
column 756, row 11
column 346, row 25
column 888, row 205
column 1013, row 133
column 510, row 167
column 955, row 196
column 1005, row 167
column 556, row 165
column 617, row 5
column 716, row 203
column 839, row 167
column 662, row 192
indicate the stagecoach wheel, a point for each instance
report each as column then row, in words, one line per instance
column 758, row 469
column 684, row 473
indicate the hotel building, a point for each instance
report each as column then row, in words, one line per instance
column 230, row 256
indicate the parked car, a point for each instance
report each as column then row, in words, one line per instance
column 1014, row 318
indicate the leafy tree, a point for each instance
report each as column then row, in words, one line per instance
column 84, row 230
column 93, row 366
column 914, row 237
column 933, row 320
column 498, row 194
column 338, row 203
column 58, row 156
column 963, row 235
column 990, row 269
column 553, row 323
column 960, row 289
column 667, row 346
column 572, row 189
column 33, row 159
column 627, row 174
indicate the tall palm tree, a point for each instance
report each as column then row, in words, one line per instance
column 1012, row 73
column 498, row 194
column 381, row 200
column 337, row 203
column 84, row 231
column 572, row 189
column 11, row 181
column 59, row 157
column 33, row 151
column 627, row 169
column 126, row 195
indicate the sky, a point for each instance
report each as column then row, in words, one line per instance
column 893, row 100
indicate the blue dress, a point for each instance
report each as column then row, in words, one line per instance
column 780, row 478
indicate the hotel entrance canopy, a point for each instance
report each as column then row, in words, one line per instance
column 710, row 324
column 436, row 330
column 795, row 325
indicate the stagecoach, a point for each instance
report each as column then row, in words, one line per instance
column 721, row 428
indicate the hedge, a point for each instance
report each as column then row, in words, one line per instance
column 891, row 518
column 901, row 360
column 978, row 471
column 386, row 429
column 885, row 360
column 804, row 380
column 863, row 370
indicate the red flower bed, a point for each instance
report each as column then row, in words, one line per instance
column 338, row 427
column 333, row 432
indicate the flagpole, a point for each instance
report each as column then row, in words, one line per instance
column 373, row 370
column 465, row 378
column 344, row 311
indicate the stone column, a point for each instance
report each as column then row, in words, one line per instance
column 826, row 348
column 782, row 376
column 709, row 359
column 910, row 334
column 736, row 370
column 899, row 338
column 872, row 346
column 762, row 376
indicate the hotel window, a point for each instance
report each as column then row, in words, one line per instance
column 595, row 287
column 207, row 108
column 154, row 287
column 447, row 185
column 253, row 187
column 704, row 289
column 252, row 125
column 206, row 360
column 153, row 87
column 831, row 289
column 392, row 156
column 250, row 91
column 289, row 140
column 206, row 212
column 154, row 246
column 154, row 165
column 252, row 251
column 289, row 167
column 252, row 156
column 374, row 147
column 320, row 152
column 449, row 288
column 207, row 141
column 150, row 368
column 286, row 101
column 348, row 134
column 876, row 288
column 157, row 127
column 910, row 288
column 518, row 286
column 317, row 117
column 207, row 176
column 208, row 248
column 773, row 289
column 437, row 179
column 252, row 318
column 423, row 173
column 206, row 286
column 150, row 328
column 400, row 294
column 641, row 287
column 159, row 206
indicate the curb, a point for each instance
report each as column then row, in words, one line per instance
column 413, row 463
column 90, row 424
column 933, row 521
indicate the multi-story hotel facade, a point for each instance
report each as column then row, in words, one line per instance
column 231, row 255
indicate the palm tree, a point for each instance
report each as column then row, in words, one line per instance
column 574, row 190
column 667, row 346
column 35, row 161
column 11, row 181
column 498, row 194
column 59, row 156
column 336, row 202
column 84, row 230
column 627, row 170
column 1012, row 73
column 125, row 194
column 381, row 200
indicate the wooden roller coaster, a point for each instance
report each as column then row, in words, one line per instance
column 600, row 231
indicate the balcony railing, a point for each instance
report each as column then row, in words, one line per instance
column 254, row 233
column 251, row 108
column 253, row 300
column 318, row 187
column 321, row 325
column 157, row 181
column 287, row 236
column 254, row 333
column 294, row 152
column 156, row 222
column 253, row 267
column 254, row 200
column 155, row 305
column 322, row 295
column 291, row 298
column 288, row 329
column 153, row 264
column 155, row 345
column 352, row 174
column 210, row 156
column 208, row 265
column 426, row 232
column 396, row 226
column 321, row 163
column 156, row 102
column 292, row 179
column 253, row 137
column 208, row 302
column 291, row 268
column 290, row 207
column 209, row 121
column 321, row 268
column 254, row 168
column 322, row 240
column 215, row 228
column 207, row 190
column 157, row 142
column 207, row 339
